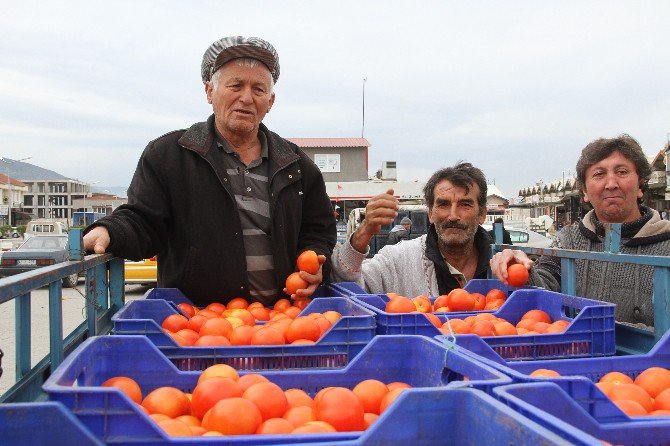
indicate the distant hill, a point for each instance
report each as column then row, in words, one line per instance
column 20, row 170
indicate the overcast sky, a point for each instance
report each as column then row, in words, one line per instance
column 517, row 88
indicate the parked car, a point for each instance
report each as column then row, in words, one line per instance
column 36, row 252
column 45, row 226
column 143, row 272
column 418, row 213
column 11, row 232
column 526, row 237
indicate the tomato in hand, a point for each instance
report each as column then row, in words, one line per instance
column 308, row 261
column 294, row 283
column 517, row 275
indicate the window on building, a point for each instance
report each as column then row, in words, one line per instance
column 327, row 162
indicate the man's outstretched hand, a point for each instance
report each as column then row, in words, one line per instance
column 97, row 240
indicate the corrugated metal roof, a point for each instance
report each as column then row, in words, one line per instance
column 330, row 142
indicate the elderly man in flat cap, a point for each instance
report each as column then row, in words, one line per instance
column 227, row 205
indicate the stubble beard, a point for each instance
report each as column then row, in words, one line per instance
column 454, row 241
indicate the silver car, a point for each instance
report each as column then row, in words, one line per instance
column 525, row 237
column 36, row 252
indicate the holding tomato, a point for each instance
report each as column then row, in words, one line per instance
column 517, row 275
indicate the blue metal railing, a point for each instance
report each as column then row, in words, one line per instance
column 104, row 294
column 629, row 339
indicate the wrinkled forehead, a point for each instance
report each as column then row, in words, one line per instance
column 614, row 160
column 445, row 189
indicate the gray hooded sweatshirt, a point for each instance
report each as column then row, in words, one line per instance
column 626, row 285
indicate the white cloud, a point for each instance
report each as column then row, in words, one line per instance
column 517, row 88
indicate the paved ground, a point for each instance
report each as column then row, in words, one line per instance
column 74, row 313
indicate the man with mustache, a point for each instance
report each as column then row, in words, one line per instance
column 227, row 204
column 455, row 249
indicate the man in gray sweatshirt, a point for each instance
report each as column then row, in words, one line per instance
column 455, row 249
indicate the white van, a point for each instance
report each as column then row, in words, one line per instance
column 44, row 226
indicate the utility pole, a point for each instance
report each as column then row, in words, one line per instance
column 363, row 127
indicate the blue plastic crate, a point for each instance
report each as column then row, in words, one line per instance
column 42, row 424
column 590, row 333
column 111, row 416
column 578, row 376
column 344, row 340
column 481, row 286
column 427, row 417
column 175, row 295
column 550, row 406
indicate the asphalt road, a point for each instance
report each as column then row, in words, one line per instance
column 74, row 313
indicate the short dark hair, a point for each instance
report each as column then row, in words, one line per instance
column 498, row 220
column 601, row 148
column 462, row 175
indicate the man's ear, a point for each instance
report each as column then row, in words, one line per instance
column 208, row 91
column 272, row 101
column 482, row 215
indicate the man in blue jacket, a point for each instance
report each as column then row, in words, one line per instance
column 227, row 204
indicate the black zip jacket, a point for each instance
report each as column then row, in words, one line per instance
column 181, row 208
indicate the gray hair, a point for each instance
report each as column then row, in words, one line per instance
column 241, row 62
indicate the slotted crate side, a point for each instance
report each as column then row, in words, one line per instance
column 578, row 376
column 42, row 424
column 459, row 417
column 110, row 415
column 590, row 333
column 339, row 344
column 548, row 405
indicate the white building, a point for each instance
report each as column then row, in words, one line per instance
column 11, row 193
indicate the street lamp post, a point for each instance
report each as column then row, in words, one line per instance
column 9, row 187
column 85, row 207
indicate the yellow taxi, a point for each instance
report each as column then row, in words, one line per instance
column 142, row 272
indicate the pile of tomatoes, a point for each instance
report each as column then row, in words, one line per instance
column 237, row 324
column 533, row 322
column 224, row 403
column 648, row 394
column 457, row 300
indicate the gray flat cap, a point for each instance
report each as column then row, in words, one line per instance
column 405, row 221
column 224, row 50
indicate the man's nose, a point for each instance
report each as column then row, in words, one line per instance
column 246, row 96
column 453, row 213
column 611, row 181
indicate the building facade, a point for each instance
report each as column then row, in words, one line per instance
column 339, row 159
column 54, row 198
column 11, row 200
